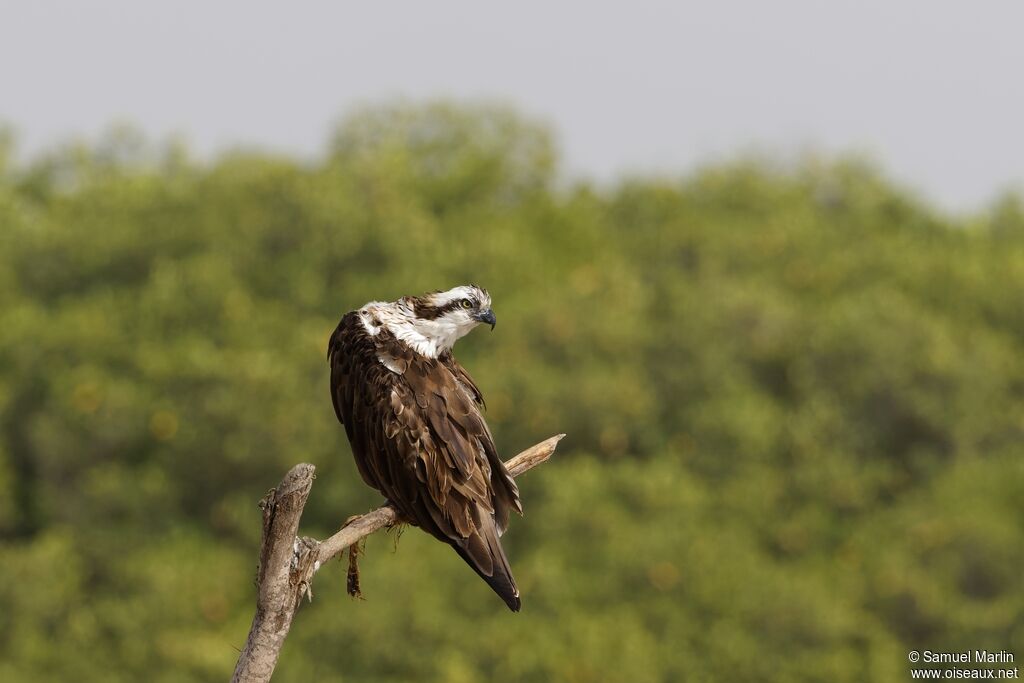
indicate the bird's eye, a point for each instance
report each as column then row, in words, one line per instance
column 466, row 303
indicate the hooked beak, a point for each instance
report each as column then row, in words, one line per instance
column 486, row 317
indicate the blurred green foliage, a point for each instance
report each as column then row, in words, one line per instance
column 794, row 400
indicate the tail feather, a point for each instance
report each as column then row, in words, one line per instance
column 483, row 552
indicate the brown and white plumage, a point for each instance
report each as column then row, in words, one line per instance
column 413, row 418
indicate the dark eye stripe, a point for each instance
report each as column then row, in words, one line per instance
column 453, row 306
column 427, row 312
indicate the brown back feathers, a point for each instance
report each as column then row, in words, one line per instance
column 418, row 436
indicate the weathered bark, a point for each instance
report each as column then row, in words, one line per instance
column 278, row 597
column 288, row 563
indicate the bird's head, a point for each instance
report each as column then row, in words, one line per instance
column 445, row 317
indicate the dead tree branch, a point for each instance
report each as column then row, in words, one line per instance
column 287, row 563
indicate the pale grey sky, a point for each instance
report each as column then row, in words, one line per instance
column 932, row 90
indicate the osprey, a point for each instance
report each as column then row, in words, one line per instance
column 413, row 417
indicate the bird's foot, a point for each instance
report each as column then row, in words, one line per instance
column 352, row 576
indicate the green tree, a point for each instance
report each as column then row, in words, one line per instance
column 794, row 399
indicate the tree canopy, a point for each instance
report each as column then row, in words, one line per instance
column 793, row 394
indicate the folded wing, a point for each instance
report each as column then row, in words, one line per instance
column 418, row 436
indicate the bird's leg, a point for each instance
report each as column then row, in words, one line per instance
column 354, row 550
column 398, row 525
column 352, row 576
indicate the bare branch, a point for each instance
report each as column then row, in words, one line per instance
column 275, row 607
column 287, row 564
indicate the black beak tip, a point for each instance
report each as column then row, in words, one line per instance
column 488, row 317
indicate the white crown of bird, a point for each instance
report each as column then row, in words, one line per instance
column 432, row 323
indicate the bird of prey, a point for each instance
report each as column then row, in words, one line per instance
column 413, row 418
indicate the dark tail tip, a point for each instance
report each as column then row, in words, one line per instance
column 504, row 586
column 500, row 577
